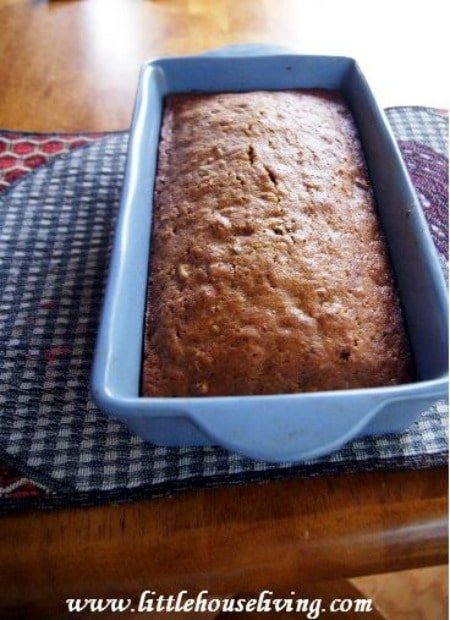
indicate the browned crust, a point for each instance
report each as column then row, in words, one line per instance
column 269, row 273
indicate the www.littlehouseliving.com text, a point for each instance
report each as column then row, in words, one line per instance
column 204, row 602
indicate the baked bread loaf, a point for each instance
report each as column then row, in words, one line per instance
column 269, row 273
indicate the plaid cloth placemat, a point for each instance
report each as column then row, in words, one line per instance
column 56, row 227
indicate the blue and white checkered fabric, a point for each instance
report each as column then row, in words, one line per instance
column 56, row 228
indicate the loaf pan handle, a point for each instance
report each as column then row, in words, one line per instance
column 279, row 429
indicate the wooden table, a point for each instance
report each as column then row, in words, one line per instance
column 69, row 66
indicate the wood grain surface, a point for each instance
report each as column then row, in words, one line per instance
column 70, row 66
column 74, row 65
column 224, row 540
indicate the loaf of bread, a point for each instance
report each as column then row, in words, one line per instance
column 269, row 273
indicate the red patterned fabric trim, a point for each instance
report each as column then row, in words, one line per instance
column 15, row 486
column 429, row 173
column 20, row 153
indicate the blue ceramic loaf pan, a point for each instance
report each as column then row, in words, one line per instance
column 289, row 427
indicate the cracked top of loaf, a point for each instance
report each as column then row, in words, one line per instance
column 268, row 272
